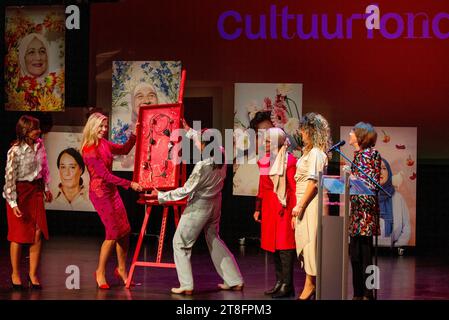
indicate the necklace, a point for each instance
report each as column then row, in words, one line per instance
column 160, row 125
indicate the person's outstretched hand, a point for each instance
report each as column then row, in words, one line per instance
column 185, row 125
column 136, row 187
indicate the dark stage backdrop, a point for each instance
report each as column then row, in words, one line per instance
column 401, row 82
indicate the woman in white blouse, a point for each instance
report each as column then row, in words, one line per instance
column 26, row 186
column 315, row 133
column 203, row 212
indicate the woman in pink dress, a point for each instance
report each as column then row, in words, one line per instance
column 97, row 155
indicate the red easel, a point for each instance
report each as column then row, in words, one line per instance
column 177, row 206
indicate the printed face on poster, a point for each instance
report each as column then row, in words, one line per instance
column 265, row 105
column 69, row 177
column 136, row 84
column 398, row 148
column 34, row 61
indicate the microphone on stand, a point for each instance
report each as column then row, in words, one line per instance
column 336, row 146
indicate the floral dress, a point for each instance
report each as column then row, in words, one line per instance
column 362, row 220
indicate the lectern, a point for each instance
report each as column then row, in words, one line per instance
column 332, row 236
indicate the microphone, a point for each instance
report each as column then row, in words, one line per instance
column 336, row 146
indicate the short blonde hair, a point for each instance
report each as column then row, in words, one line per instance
column 90, row 130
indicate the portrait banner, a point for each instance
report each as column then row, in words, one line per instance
column 34, row 60
column 136, row 84
column 398, row 149
column 266, row 105
column 69, row 179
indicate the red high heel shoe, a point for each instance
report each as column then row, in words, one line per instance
column 103, row 286
column 118, row 276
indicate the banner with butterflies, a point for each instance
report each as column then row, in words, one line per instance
column 398, row 148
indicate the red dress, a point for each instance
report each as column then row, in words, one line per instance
column 276, row 230
column 103, row 190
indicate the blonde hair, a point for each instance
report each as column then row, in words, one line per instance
column 318, row 130
column 90, row 131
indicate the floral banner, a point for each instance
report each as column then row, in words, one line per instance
column 34, row 61
column 137, row 83
column 398, row 148
column 281, row 106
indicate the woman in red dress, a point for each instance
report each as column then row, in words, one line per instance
column 26, row 186
column 275, row 201
column 97, row 155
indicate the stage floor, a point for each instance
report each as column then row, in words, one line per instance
column 402, row 277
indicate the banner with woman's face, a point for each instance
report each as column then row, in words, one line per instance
column 135, row 84
column 69, row 177
column 34, row 61
column 398, row 149
column 265, row 105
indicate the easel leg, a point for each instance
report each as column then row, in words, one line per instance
column 162, row 235
column 139, row 244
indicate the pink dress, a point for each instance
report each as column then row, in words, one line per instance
column 103, row 190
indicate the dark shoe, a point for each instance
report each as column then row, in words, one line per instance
column 284, row 292
column 17, row 287
column 275, row 289
column 34, row 286
column 311, row 296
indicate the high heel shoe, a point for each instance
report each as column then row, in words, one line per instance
column 17, row 287
column 104, row 286
column 224, row 286
column 311, row 296
column 118, row 276
column 33, row 286
column 182, row 291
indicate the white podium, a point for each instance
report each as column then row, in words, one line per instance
column 332, row 237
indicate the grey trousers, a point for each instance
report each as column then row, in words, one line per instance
column 203, row 215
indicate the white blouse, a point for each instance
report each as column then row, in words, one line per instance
column 25, row 163
column 203, row 182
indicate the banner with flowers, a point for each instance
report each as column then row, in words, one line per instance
column 34, row 60
column 281, row 106
column 136, row 83
column 398, row 148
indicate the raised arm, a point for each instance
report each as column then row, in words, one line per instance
column 125, row 148
column 94, row 163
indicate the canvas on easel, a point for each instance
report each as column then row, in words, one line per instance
column 157, row 160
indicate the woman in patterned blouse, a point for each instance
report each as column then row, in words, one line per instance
column 364, row 208
column 26, row 186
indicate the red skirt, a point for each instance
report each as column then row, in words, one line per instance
column 30, row 199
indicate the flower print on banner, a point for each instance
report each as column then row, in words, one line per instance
column 36, row 84
column 284, row 112
column 131, row 79
column 283, row 104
